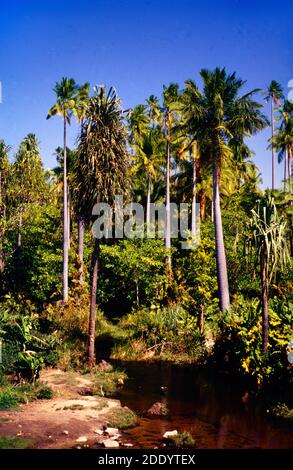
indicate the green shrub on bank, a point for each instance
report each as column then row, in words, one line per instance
column 239, row 345
column 167, row 332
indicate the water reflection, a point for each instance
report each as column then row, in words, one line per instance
column 217, row 410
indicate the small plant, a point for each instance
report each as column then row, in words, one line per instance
column 45, row 393
column 122, row 418
column 184, row 440
column 8, row 398
column 29, row 365
column 9, row 442
column 281, row 411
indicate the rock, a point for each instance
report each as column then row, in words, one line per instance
column 157, row 409
column 127, row 444
column 100, row 432
column 170, row 434
column 104, row 366
column 108, row 443
column 65, row 433
column 81, row 439
column 85, row 391
column 112, row 431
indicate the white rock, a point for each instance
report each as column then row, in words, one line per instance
column 112, row 431
column 170, row 433
column 108, row 443
column 81, row 439
column 65, row 433
column 127, row 444
column 100, row 432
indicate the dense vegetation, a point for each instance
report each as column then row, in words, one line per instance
column 67, row 297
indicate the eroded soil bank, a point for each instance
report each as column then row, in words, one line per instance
column 72, row 418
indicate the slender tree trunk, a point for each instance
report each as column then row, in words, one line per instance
column 285, row 169
column 273, row 150
column 93, row 306
column 69, row 215
column 65, row 221
column 137, row 293
column 201, row 319
column 20, row 216
column 168, row 214
column 148, row 207
column 223, row 285
column 193, row 205
column 203, row 203
column 265, row 312
column 80, row 246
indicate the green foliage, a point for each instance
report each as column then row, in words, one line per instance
column 132, row 272
column 12, row 394
column 239, row 344
column 168, row 332
column 24, row 346
column 122, row 418
column 14, row 442
column 182, row 440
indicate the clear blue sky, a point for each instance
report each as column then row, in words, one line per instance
column 137, row 46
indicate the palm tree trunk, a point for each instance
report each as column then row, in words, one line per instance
column 93, row 306
column 65, row 221
column 193, row 205
column 20, row 216
column 223, row 285
column 168, row 214
column 69, row 216
column 285, row 168
column 273, row 150
column 80, row 246
column 265, row 313
column 202, row 202
column 148, row 207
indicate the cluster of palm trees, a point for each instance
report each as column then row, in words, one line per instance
column 193, row 139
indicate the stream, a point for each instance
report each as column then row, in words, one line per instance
column 214, row 408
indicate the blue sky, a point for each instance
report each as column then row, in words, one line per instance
column 137, row 46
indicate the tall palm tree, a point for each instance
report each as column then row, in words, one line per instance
column 283, row 141
column 220, row 116
column 100, row 173
column 148, row 156
column 170, row 97
column 269, row 238
column 274, row 95
column 70, row 101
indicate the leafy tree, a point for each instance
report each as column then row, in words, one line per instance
column 101, row 172
column 269, row 239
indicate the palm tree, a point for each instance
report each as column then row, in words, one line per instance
column 268, row 237
column 274, row 95
column 219, row 117
column 170, row 97
column 70, row 101
column 283, row 141
column 148, row 156
column 100, row 173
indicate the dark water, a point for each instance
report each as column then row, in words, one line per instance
column 217, row 410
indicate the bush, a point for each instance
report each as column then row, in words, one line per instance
column 183, row 440
column 164, row 332
column 239, row 345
